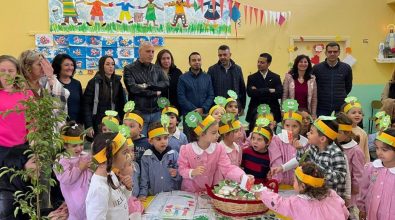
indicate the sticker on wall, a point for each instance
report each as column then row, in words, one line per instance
column 46, row 51
column 77, row 40
column 61, row 40
column 80, row 63
column 61, row 50
column 44, row 40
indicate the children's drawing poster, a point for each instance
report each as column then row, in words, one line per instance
column 181, row 17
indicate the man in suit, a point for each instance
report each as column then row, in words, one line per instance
column 264, row 87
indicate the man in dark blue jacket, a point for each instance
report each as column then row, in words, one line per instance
column 334, row 81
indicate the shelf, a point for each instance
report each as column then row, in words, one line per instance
column 385, row 60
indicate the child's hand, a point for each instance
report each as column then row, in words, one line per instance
column 362, row 215
column 296, row 144
column 142, row 198
column 275, row 171
column 126, row 180
column 198, row 171
column 84, row 164
column 173, row 172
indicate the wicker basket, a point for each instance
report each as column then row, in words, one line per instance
column 238, row 208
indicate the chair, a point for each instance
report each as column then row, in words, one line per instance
column 375, row 106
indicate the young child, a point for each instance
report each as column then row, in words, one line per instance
column 377, row 193
column 283, row 146
column 76, row 174
column 306, row 122
column 353, row 110
column 200, row 159
column 372, row 137
column 314, row 199
column 356, row 159
column 109, row 190
column 158, row 164
column 97, row 11
column 150, row 14
column 228, row 130
column 109, row 123
column 135, row 122
column 218, row 109
column 176, row 137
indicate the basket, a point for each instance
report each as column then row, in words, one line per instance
column 238, row 208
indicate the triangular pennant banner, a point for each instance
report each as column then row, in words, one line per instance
column 213, row 2
column 256, row 15
column 250, row 9
column 245, row 14
column 230, row 3
column 221, row 7
column 261, row 16
column 281, row 20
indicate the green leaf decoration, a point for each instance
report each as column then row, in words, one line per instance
column 232, row 94
column 111, row 113
column 163, row 102
column 228, row 117
column 220, row 100
column 129, row 106
column 290, row 105
column 380, row 114
column 262, row 122
column 327, row 118
column 263, row 109
column 351, row 99
column 385, row 122
column 111, row 125
column 124, row 130
column 165, row 120
column 193, row 119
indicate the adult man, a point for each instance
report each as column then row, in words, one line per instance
column 227, row 75
column 264, row 87
column 194, row 89
column 334, row 80
column 144, row 82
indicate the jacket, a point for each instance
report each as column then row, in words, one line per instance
column 289, row 92
column 171, row 91
column 262, row 95
column 118, row 98
column 217, row 72
column 138, row 73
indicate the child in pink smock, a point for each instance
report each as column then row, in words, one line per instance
column 76, row 174
column 228, row 130
column 200, row 160
column 314, row 201
column 376, row 200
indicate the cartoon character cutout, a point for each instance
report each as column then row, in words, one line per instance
column 179, row 12
column 70, row 11
column 317, row 50
column 150, row 14
column 212, row 14
column 125, row 14
column 97, row 11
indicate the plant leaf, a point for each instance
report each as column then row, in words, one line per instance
column 193, row 119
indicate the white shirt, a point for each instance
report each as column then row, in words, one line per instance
column 264, row 74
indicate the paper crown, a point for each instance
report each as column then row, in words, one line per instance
column 386, row 138
column 325, row 129
column 352, row 102
column 118, row 141
column 125, row 131
column 309, row 180
column 128, row 108
column 260, row 125
column 164, row 104
column 232, row 97
column 220, row 102
column 164, row 120
column 290, row 108
column 230, row 124
column 263, row 111
column 72, row 139
column 110, row 120
column 194, row 120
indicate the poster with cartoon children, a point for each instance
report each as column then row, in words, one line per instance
column 97, row 11
column 179, row 12
column 150, row 14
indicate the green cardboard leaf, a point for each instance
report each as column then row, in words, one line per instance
column 111, row 125
column 163, row 102
column 262, row 122
column 165, row 120
column 232, row 94
column 111, row 113
column 263, row 109
column 380, row 114
column 351, row 99
column 227, row 117
column 193, row 119
column 385, row 122
column 290, row 105
column 327, row 118
column 124, row 130
column 129, row 106
column 220, row 100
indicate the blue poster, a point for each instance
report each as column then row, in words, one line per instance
column 93, row 52
column 139, row 39
column 61, row 50
column 125, row 41
column 157, row 41
column 77, row 52
column 126, row 52
column 92, row 63
column 77, row 40
column 110, row 51
column 81, row 63
column 109, row 41
column 123, row 62
column 94, row 41
column 61, row 40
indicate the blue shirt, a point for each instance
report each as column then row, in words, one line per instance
column 136, row 180
column 125, row 6
column 177, row 139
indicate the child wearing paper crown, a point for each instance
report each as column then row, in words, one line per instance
column 109, row 123
column 353, row 109
column 228, row 128
column 159, row 163
column 372, row 137
column 200, row 159
column 377, row 192
column 218, row 109
column 109, row 190
column 324, row 152
column 283, row 146
column 75, row 177
column 177, row 138
column 132, row 118
column 314, row 199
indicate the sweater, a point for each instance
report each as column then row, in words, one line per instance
column 74, row 102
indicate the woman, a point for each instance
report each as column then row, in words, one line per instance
column 165, row 60
column 299, row 84
column 64, row 68
column 103, row 92
column 389, row 89
column 13, row 133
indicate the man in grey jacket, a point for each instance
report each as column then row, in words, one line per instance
column 145, row 82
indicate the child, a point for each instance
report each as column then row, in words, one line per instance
column 109, row 123
column 283, row 146
column 125, row 14
column 150, row 13
column 306, row 122
column 200, row 159
column 218, row 109
column 228, row 130
column 377, row 197
column 231, row 106
column 255, row 158
column 158, row 164
column 76, row 175
column 356, row 159
column 372, row 137
column 135, row 122
column 109, row 190
column 314, row 201
column 176, row 137
column 353, row 110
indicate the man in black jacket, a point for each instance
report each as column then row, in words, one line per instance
column 145, row 82
column 227, row 75
column 334, row 81
column 264, row 87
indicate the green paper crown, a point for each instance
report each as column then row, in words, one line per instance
column 111, row 113
column 351, row 99
column 227, row 118
column 290, row 105
column 220, row 100
column 328, row 118
column 124, row 130
column 163, row 102
column 165, row 121
column 129, row 106
column 262, row 122
column 232, row 94
column 193, row 119
column 263, row 109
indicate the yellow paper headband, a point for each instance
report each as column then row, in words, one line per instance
column 262, row 131
column 73, row 140
column 116, row 144
column 267, row 116
column 386, row 138
column 135, row 117
column 202, row 126
column 226, row 128
column 293, row 116
column 157, row 132
column 352, row 105
column 325, row 129
column 170, row 110
column 344, row 127
column 215, row 107
column 309, row 180
column 129, row 142
column 228, row 100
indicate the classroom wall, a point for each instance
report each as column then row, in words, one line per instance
column 356, row 19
